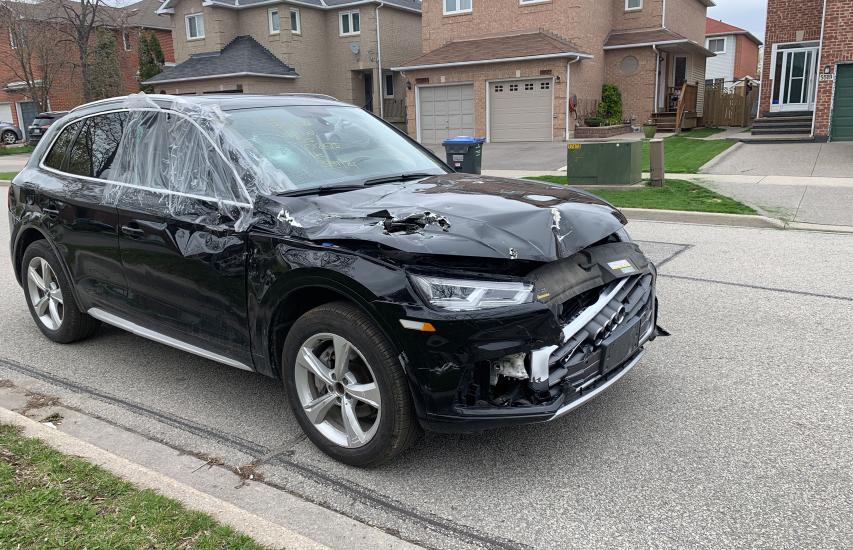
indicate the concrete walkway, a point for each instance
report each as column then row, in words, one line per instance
column 833, row 160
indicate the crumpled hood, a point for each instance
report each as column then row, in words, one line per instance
column 455, row 214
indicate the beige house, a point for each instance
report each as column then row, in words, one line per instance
column 510, row 70
column 342, row 48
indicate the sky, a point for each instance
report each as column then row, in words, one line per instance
column 747, row 14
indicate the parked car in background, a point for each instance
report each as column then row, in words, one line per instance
column 9, row 133
column 41, row 123
column 305, row 239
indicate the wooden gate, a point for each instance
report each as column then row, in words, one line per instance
column 730, row 107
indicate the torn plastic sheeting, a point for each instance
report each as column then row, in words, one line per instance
column 170, row 159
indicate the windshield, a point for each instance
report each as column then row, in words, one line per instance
column 328, row 145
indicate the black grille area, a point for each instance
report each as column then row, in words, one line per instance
column 577, row 360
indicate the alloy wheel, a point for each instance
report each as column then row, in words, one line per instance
column 9, row 138
column 45, row 294
column 337, row 390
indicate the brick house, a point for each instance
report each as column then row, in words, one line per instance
column 807, row 85
column 342, row 48
column 736, row 50
column 18, row 107
column 507, row 69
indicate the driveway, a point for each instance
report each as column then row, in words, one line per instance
column 13, row 163
column 736, row 432
column 527, row 156
column 831, row 160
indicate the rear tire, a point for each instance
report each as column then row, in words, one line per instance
column 50, row 297
column 9, row 137
column 358, row 409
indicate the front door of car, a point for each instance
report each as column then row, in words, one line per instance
column 70, row 195
column 183, row 259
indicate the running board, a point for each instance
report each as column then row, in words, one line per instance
column 129, row 326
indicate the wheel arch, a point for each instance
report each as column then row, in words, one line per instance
column 26, row 237
column 307, row 295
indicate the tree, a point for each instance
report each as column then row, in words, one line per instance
column 610, row 108
column 151, row 58
column 78, row 21
column 36, row 58
column 105, row 72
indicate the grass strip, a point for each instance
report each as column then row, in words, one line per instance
column 51, row 500
column 674, row 195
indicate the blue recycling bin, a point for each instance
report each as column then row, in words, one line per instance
column 464, row 153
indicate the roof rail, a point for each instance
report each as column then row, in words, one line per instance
column 306, row 94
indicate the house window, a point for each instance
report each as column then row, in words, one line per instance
column 457, row 6
column 295, row 22
column 717, row 45
column 195, row 26
column 12, row 41
column 274, row 20
column 125, row 38
column 633, row 5
column 389, row 85
column 350, row 23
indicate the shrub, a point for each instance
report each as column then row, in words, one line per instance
column 610, row 108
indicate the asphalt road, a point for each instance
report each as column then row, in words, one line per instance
column 736, row 432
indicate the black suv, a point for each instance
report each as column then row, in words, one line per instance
column 303, row 238
column 41, row 123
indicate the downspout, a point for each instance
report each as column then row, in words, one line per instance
column 817, row 66
column 379, row 64
column 569, row 92
column 657, row 78
column 663, row 16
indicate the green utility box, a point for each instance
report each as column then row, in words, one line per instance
column 605, row 163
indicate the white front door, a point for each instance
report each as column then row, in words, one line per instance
column 797, row 89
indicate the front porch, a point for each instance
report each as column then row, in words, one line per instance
column 679, row 86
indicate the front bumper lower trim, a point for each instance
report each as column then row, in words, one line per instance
column 594, row 393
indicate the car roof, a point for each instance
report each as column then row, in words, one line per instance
column 226, row 102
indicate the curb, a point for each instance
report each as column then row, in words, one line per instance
column 262, row 531
column 719, row 158
column 705, row 218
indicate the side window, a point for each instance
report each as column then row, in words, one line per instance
column 195, row 167
column 80, row 156
column 95, row 148
column 56, row 155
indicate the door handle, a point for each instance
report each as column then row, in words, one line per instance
column 132, row 232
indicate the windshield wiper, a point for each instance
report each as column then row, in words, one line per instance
column 320, row 190
column 397, row 177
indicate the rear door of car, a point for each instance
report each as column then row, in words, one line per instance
column 183, row 259
column 69, row 194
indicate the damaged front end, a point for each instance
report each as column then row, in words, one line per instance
column 592, row 315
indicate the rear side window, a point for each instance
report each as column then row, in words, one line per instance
column 57, row 153
column 95, row 148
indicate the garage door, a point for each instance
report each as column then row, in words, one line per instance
column 6, row 112
column 842, row 112
column 521, row 110
column 445, row 112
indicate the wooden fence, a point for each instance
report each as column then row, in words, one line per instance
column 730, row 107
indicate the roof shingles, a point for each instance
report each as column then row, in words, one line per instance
column 243, row 55
column 493, row 49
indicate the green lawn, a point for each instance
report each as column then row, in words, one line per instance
column 7, row 175
column 703, row 132
column 50, row 500
column 674, row 195
column 683, row 155
column 16, row 150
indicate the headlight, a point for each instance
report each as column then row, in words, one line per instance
column 464, row 295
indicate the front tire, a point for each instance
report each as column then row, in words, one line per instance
column 49, row 297
column 346, row 386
